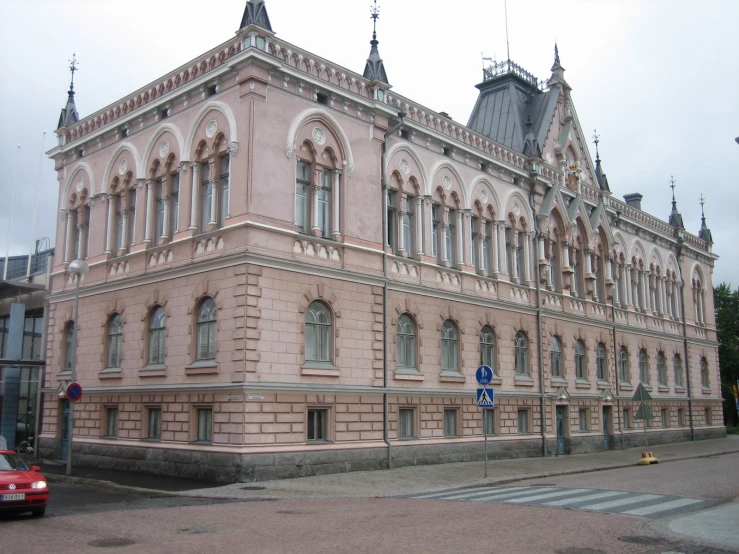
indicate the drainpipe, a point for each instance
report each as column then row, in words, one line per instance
column 385, row 394
column 535, row 249
column 685, row 334
column 615, row 371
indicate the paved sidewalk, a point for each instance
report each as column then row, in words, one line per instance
column 407, row 480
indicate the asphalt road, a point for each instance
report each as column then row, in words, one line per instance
column 82, row 518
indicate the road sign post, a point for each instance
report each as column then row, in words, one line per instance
column 485, row 400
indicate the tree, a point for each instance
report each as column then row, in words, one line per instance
column 727, row 327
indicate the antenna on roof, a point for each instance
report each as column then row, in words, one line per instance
column 507, row 44
column 73, row 63
column 672, row 186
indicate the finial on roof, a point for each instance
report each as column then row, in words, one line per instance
column 599, row 175
column 69, row 115
column 556, row 53
column 374, row 70
column 596, row 140
column 255, row 13
column 676, row 220
column 558, row 72
column 705, row 232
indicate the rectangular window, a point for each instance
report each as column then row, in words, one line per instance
column 205, row 424
column 450, row 422
column 408, row 226
column 601, row 368
column 475, row 243
column 680, row 417
column 32, row 331
column 4, row 331
column 159, row 211
column 449, row 234
column 317, row 424
column 324, row 204
column 523, row 421
column 174, row 218
column 488, row 421
column 485, row 247
column 225, row 191
column 627, row 418
column 155, row 423
column 405, row 423
column 77, row 234
column 392, row 223
column 112, row 417
column 707, row 416
column 302, row 187
column 583, row 419
column 119, row 238
column 131, row 217
column 206, row 197
column 436, row 236
column 508, row 251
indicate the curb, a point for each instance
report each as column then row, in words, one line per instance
column 485, row 482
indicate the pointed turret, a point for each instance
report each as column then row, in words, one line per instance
column 676, row 220
column 705, row 232
column 374, row 70
column 69, row 115
column 558, row 72
column 531, row 146
column 255, row 13
column 602, row 179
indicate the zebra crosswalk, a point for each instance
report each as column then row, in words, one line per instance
column 615, row 502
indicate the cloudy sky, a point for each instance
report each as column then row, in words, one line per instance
column 658, row 79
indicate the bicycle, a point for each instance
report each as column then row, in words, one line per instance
column 25, row 449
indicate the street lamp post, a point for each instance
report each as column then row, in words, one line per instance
column 78, row 268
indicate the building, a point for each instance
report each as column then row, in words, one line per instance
column 296, row 270
column 23, row 291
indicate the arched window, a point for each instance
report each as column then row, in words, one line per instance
column 601, row 361
column 115, row 338
column 661, row 369
column 487, row 348
column 206, row 347
column 556, row 356
column 157, row 327
column 314, row 210
column 623, row 364
column 406, row 343
column 449, row 346
column 68, row 346
column 521, row 354
column 317, row 333
column 580, row 372
column 643, row 367
column 704, row 373
column 678, row 366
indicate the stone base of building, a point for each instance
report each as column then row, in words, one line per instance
column 237, row 467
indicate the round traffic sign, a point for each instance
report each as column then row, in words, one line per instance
column 484, row 374
column 74, row 392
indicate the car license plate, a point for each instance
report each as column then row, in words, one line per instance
column 16, row 496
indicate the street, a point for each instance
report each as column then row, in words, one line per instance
column 82, row 518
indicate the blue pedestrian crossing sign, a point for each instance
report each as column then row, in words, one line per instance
column 484, row 375
column 485, row 398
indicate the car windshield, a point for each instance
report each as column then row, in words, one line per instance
column 10, row 462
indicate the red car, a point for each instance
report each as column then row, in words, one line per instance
column 22, row 488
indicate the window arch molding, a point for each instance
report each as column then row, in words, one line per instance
column 488, row 345
column 556, row 359
column 522, row 355
column 319, row 324
column 113, row 341
column 320, row 115
column 451, row 349
column 155, row 331
column 407, row 343
column 643, row 366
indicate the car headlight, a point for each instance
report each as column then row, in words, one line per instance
column 38, row 485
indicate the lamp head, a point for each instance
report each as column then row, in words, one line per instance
column 78, row 267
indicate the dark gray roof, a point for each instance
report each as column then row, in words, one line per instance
column 676, row 220
column 255, row 13
column 602, row 179
column 705, row 232
column 374, row 70
column 69, row 115
column 514, row 113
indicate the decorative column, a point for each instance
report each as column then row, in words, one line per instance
column 566, row 255
column 419, row 226
column 335, row 205
column 386, row 204
column 663, row 289
column 149, row 210
column 701, row 311
column 444, row 231
column 628, row 286
column 428, row 223
column 194, row 196
column 461, row 250
column 619, row 282
column 644, row 281
column 483, row 262
column 82, row 226
column 402, row 212
column 124, row 229
column 527, row 257
column 111, row 223
column 166, row 199
column 501, row 248
column 69, row 238
column 514, row 256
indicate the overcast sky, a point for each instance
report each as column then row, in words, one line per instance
column 658, row 79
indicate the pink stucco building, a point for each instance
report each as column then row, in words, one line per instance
column 294, row 270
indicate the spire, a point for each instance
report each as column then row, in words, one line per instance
column 558, row 72
column 602, row 179
column 676, row 220
column 374, row 70
column 255, row 13
column 705, row 232
column 531, row 145
column 69, row 115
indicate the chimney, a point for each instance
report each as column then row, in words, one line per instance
column 634, row 200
